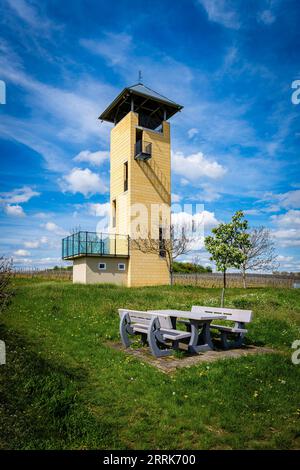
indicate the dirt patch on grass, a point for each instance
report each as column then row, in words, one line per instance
column 169, row 364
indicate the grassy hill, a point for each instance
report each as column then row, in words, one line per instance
column 63, row 387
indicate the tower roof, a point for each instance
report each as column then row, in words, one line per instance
column 144, row 100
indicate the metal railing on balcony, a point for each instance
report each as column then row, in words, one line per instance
column 95, row 244
column 143, row 150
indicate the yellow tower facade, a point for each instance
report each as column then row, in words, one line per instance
column 140, row 191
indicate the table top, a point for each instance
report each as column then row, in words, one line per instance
column 187, row 314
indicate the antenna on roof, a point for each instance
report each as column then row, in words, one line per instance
column 140, row 76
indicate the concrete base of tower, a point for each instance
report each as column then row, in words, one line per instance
column 138, row 270
column 100, row 270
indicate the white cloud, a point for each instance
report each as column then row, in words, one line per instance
column 284, row 259
column 52, row 227
column 288, row 232
column 288, row 200
column 287, row 238
column 209, row 193
column 41, row 262
column 33, row 244
column 196, row 166
column 192, row 132
column 222, row 12
column 83, row 181
column 195, row 224
column 36, row 243
column 14, row 211
column 94, row 158
column 291, row 199
column 290, row 218
column 22, row 253
column 19, row 195
column 204, row 219
column 99, row 210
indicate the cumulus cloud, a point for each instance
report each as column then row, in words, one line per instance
column 94, row 158
column 290, row 218
column 288, row 200
column 196, row 225
column 204, row 219
column 22, row 253
column 196, row 166
column 99, row 210
column 288, row 232
column 291, row 199
column 18, row 196
column 287, row 238
column 14, row 210
column 36, row 243
column 83, row 181
column 284, row 259
column 52, row 227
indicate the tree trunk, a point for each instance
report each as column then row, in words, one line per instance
column 224, row 287
column 222, row 297
column 244, row 278
column 171, row 278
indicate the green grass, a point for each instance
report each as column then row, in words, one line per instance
column 63, row 387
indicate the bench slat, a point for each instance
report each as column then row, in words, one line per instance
column 229, row 328
column 175, row 334
column 232, row 314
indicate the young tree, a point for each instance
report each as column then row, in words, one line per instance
column 226, row 245
column 169, row 247
column 5, row 282
column 260, row 255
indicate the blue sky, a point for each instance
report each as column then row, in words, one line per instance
column 235, row 144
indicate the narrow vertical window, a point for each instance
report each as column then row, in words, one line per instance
column 162, row 251
column 114, row 212
column 125, row 176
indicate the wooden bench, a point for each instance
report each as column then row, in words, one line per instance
column 232, row 336
column 155, row 329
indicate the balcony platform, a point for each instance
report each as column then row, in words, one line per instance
column 82, row 244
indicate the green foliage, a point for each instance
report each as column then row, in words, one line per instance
column 6, row 291
column 180, row 267
column 226, row 242
column 64, row 387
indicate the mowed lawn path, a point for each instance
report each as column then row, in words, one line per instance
column 63, row 387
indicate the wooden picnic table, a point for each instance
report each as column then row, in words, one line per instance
column 200, row 341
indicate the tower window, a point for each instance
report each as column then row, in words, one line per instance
column 162, row 251
column 114, row 212
column 125, row 176
column 121, row 266
column 102, row 266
